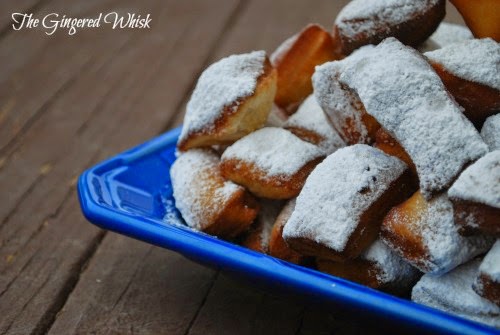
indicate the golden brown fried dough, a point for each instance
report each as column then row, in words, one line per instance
column 361, row 22
column 207, row 201
column 271, row 163
column 295, row 60
column 232, row 98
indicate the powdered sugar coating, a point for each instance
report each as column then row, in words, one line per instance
column 277, row 117
column 275, row 151
column 268, row 213
column 370, row 17
column 452, row 292
column 446, row 34
column 491, row 132
column 404, row 94
column 491, row 263
column 196, row 179
column 445, row 247
column 476, row 60
column 338, row 192
column 480, row 182
column 223, row 84
column 333, row 99
column 311, row 117
column 392, row 268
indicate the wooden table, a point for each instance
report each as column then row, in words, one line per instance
column 67, row 102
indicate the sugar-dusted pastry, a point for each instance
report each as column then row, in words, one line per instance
column 342, row 105
column 277, row 245
column 295, row 60
column 425, row 235
column 487, row 282
column 340, row 209
column 310, row 124
column 258, row 236
column 481, row 16
column 369, row 22
column 402, row 92
column 452, row 293
column 232, row 98
column 271, row 162
column 470, row 70
column 476, row 196
column 446, row 34
column 206, row 201
column 491, row 132
column 378, row 267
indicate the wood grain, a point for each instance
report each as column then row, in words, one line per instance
column 100, row 110
column 68, row 102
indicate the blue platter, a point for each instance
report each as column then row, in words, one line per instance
column 131, row 194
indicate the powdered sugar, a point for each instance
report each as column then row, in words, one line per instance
column 275, row 151
column 446, row 34
column 268, row 213
column 200, row 192
column 311, row 117
column 334, row 100
column 491, row 263
column 223, row 84
column 392, row 268
column 370, row 17
column 401, row 90
column 480, row 182
column 491, row 132
column 453, row 292
column 338, row 192
column 476, row 60
column 277, row 117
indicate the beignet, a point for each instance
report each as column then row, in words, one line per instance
column 342, row 105
column 277, row 245
column 258, row 236
column 310, row 124
column 206, row 201
column 232, row 98
column 452, row 293
column 446, row 34
column 340, row 209
column 491, row 132
column 470, row 70
column 476, row 196
column 425, row 235
column 369, row 22
column 378, row 267
column 402, row 92
column 487, row 282
column 271, row 163
column 481, row 16
column 295, row 60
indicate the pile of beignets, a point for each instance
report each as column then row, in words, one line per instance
column 372, row 153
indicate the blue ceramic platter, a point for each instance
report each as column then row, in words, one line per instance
column 131, row 194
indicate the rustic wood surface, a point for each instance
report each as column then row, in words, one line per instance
column 67, row 102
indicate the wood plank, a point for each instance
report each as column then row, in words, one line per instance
column 133, row 287
column 234, row 308
column 19, row 6
column 92, row 49
column 69, row 134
